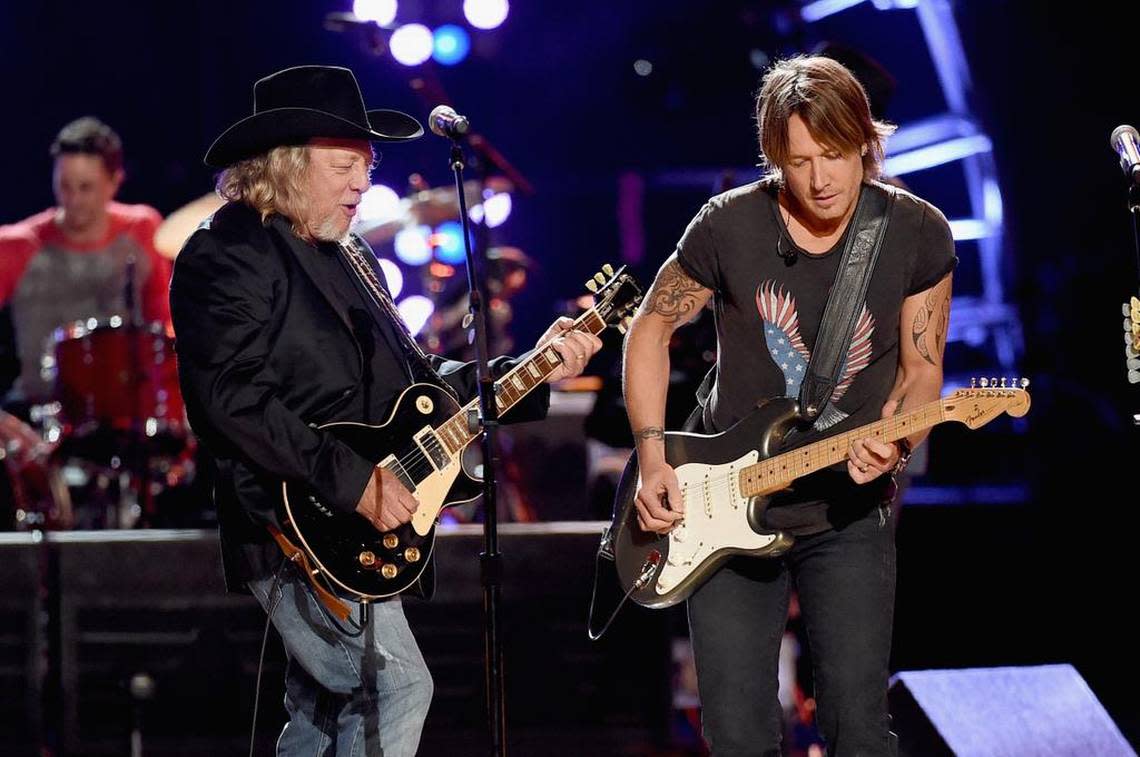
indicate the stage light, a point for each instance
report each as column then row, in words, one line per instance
column 823, row 8
column 378, row 205
column 411, row 44
column 448, row 243
column 451, row 44
column 393, row 276
column 936, row 154
column 383, row 12
column 412, row 246
column 496, row 209
column 415, row 310
column 485, row 14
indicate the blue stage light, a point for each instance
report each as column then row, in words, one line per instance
column 448, row 243
column 451, row 44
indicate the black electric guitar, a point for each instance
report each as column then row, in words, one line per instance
column 726, row 481
column 421, row 443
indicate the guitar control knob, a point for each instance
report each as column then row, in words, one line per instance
column 388, row 570
column 367, row 560
column 391, row 541
column 412, row 554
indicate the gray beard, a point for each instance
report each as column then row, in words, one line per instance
column 326, row 231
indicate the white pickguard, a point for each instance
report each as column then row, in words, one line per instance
column 716, row 517
column 431, row 493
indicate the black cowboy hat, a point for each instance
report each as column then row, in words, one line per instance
column 293, row 106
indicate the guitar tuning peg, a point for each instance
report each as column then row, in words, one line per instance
column 993, row 382
column 592, row 285
column 608, row 269
column 1024, row 382
column 985, row 382
column 974, row 383
column 621, row 328
column 1003, row 382
column 599, row 278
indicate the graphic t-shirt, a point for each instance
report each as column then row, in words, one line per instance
column 768, row 310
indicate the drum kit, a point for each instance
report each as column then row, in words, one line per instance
column 112, row 447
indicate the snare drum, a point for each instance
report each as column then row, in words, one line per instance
column 109, row 374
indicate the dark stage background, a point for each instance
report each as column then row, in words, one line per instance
column 1046, row 579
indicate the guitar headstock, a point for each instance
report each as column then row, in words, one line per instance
column 616, row 296
column 986, row 399
column 1132, row 340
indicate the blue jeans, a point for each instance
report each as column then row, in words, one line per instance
column 845, row 579
column 364, row 694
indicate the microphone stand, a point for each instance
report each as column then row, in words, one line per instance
column 490, row 560
column 134, row 461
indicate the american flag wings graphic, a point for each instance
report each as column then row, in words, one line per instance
column 782, row 334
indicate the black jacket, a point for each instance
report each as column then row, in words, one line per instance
column 266, row 351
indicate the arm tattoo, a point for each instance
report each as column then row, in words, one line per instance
column 937, row 300
column 673, row 295
column 899, row 407
column 650, row 432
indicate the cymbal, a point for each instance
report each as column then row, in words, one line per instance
column 173, row 232
column 429, row 207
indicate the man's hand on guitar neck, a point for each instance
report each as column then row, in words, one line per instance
column 385, row 502
column 867, row 458
column 574, row 347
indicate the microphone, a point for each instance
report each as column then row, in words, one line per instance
column 1126, row 143
column 445, row 122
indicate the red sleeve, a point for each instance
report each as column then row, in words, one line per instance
column 18, row 244
column 156, row 288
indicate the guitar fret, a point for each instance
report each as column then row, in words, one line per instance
column 788, row 466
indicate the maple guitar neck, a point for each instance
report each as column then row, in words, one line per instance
column 775, row 472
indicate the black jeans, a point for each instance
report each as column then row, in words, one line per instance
column 845, row 579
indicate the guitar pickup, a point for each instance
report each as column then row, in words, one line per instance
column 429, row 443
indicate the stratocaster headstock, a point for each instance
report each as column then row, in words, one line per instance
column 986, row 399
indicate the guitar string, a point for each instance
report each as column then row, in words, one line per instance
column 419, row 455
column 718, row 484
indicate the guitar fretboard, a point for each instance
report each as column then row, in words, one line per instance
column 784, row 468
column 456, row 432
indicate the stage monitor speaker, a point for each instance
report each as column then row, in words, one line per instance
column 1001, row 712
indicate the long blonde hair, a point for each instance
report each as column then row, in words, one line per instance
column 269, row 183
column 833, row 105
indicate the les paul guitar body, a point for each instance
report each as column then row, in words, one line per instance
column 347, row 549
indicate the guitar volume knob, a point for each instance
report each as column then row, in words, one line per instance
column 412, row 554
column 391, row 541
column 367, row 560
column 388, row 570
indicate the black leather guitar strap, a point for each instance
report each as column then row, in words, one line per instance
column 848, row 295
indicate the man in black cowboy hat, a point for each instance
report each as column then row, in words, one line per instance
column 283, row 326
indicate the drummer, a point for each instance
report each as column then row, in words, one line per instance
column 88, row 257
